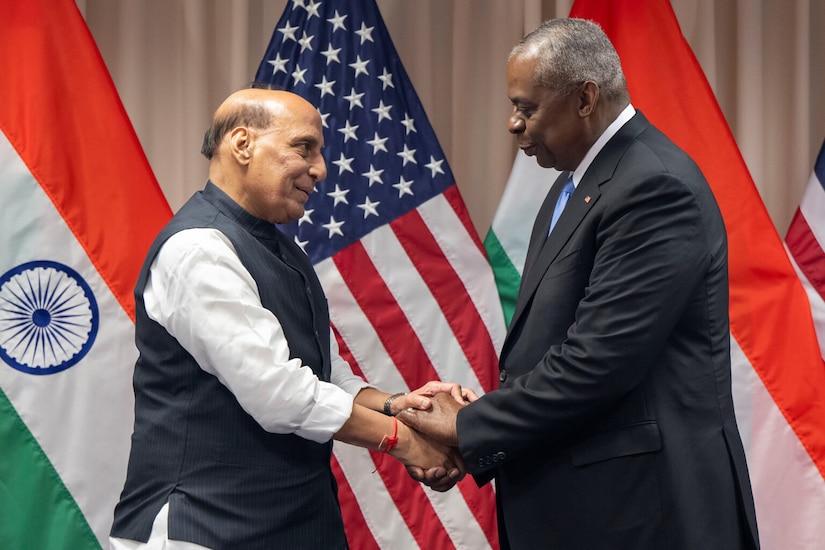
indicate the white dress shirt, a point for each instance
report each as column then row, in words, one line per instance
column 626, row 114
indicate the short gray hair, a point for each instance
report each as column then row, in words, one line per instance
column 570, row 52
column 252, row 114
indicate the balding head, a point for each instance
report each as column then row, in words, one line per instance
column 248, row 108
column 264, row 148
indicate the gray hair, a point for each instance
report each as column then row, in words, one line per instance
column 252, row 114
column 571, row 52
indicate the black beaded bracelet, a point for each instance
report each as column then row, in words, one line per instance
column 389, row 401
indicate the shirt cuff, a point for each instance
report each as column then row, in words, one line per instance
column 333, row 407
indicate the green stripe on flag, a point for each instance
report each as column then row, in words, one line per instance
column 37, row 509
column 506, row 274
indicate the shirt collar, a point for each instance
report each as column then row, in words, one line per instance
column 626, row 114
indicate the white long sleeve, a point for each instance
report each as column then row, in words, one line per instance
column 199, row 291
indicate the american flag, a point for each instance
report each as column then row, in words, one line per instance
column 805, row 242
column 411, row 294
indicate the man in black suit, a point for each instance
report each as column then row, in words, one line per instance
column 614, row 424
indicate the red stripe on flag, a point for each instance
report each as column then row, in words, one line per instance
column 450, row 294
column 413, row 504
column 769, row 311
column 358, row 532
column 386, row 317
column 343, row 351
column 482, row 503
column 453, row 196
column 62, row 147
column 807, row 252
column 418, row 513
column 355, row 526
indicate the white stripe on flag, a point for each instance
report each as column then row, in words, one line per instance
column 782, row 472
column 812, row 207
column 467, row 261
column 458, row 520
column 432, row 329
column 382, row 516
column 526, row 188
column 359, row 335
column 420, row 307
column 84, row 425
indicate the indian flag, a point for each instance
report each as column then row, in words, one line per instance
column 79, row 207
column 778, row 371
column 506, row 242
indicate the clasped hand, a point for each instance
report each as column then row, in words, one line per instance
column 437, row 462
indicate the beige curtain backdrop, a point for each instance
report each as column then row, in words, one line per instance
column 174, row 61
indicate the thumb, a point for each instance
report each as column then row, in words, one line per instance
column 419, row 402
column 408, row 417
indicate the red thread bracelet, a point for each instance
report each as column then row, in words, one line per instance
column 388, row 442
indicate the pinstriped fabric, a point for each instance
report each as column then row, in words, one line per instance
column 229, row 483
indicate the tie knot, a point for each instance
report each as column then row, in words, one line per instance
column 569, row 187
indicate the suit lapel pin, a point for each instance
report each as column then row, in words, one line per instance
column 587, row 199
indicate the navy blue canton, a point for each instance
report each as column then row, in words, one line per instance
column 382, row 156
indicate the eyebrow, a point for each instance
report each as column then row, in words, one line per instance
column 311, row 140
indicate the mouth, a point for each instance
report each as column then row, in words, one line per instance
column 529, row 150
column 307, row 191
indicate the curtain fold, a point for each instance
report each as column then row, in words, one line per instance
column 174, row 61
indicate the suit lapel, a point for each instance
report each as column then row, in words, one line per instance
column 542, row 224
column 542, row 250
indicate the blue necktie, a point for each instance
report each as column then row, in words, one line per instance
column 561, row 202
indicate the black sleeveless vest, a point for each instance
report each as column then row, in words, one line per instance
column 229, row 483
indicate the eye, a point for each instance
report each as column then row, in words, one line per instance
column 523, row 111
column 303, row 148
column 527, row 112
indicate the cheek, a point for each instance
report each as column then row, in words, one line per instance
column 541, row 135
column 551, row 134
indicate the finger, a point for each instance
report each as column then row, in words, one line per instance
column 457, row 394
column 408, row 417
column 434, row 387
column 430, row 388
column 416, row 473
column 435, row 475
column 418, row 402
column 444, row 484
column 455, row 474
column 469, row 395
column 457, row 469
column 442, row 487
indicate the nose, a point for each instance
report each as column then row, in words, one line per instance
column 318, row 168
column 515, row 125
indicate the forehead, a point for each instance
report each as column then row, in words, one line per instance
column 522, row 88
column 521, row 76
column 521, row 68
column 302, row 122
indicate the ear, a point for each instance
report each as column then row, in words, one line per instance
column 588, row 98
column 241, row 142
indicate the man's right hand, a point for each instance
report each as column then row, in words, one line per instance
column 427, row 461
column 437, row 422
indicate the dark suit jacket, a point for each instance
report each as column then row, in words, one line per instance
column 614, row 425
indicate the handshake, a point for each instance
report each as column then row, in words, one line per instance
column 427, row 438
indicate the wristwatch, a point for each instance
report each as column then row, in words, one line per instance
column 389, row 401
